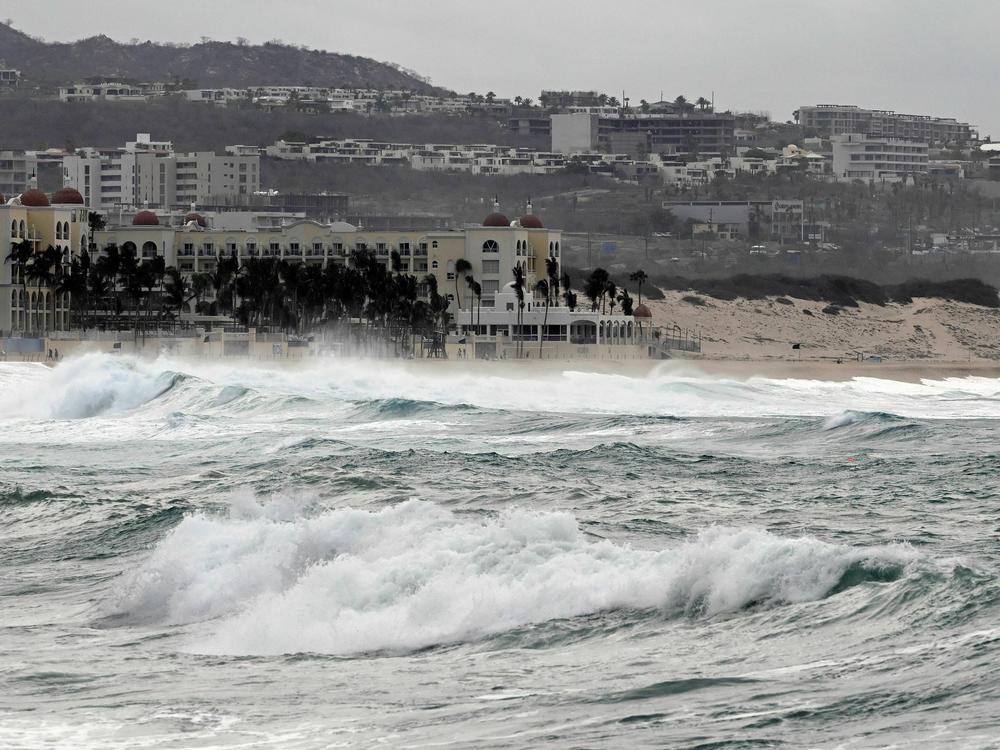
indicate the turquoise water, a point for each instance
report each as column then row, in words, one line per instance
column 351, row 554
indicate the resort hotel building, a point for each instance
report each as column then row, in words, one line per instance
column 494, row 318
column 34, row 222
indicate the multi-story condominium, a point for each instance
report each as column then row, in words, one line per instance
column 841, row 119
column 33, row 220
column 150, row 173
column 864, row 157
column 109, row 90
column 646, row 133
column 16, row 170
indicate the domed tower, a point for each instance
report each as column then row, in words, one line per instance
column 67, row 196
column 145, row 219
column 34, row 198
column 496, row 219
column 529, row 220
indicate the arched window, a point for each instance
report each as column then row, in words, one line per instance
column 20, row 230
column 552, row 246
column 149, row 249
column 557, row 248
column 434, row 264
column 128, row 247
column 13, row 228
column 451, row 266
column 434, row 243
column 491, row 246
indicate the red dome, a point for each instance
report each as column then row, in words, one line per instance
column 496, row 219
column 35, row 198
column 531, row 222
column 198, row 218
column 66, row 196
column 642, row 312
column 145, row 219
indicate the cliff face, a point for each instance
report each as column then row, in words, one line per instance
column 209, row 64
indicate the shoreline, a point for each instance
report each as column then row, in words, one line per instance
column 908, row 371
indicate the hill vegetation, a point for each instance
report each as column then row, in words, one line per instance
column 844, row 291
column 207, row 64
column 39, row 124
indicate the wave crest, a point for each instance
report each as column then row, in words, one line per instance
column 416, row 575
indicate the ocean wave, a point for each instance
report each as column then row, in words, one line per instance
column 271, row 580
column 97, row 384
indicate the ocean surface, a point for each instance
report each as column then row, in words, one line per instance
column 372, row 554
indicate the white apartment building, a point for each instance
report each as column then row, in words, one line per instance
column 150, row 173
column 864, row 157
column 16, row 170
column 107, row 90
column 10, row 77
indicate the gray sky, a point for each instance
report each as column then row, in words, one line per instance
column 918, row 56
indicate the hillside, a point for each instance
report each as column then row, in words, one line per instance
column 209, row 64
column 37, row 124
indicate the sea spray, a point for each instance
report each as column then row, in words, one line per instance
column 97, row 384
column 415, row 574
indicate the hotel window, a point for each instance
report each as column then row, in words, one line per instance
column 294, row 247
column 491, row 266
column 434, row 243
column 491, row 286
column 434, row 264
column 491, row 246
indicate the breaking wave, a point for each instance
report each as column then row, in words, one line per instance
column 99, row 384
column 271, row 580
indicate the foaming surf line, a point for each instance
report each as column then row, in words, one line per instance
column 269, row 579
column 98, row 384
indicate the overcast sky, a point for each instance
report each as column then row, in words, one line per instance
column 917, row 56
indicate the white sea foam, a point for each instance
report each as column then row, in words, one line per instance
column 101, row 384
column 269, row 580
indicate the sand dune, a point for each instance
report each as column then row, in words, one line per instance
column 926, row 330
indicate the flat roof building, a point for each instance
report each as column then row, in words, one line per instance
column 643, row 133
column 841, row 119
column 868, row 158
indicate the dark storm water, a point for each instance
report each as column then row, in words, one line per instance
column 364, row 554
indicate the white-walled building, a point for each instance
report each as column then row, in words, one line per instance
column 16, row 170
column 150, row 173
column 864, row 157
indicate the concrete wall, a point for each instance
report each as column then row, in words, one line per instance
column 574, row 133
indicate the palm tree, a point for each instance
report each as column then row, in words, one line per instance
column 462, row 267
column 176, row 290
column 477, row 290
column 639, row 277
column 702, row 103
column 519, row 291
column 542, row 288
column 596, row 287
column 45, row 269
column 552, row 271
column 625, row 299
column 20, row 254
